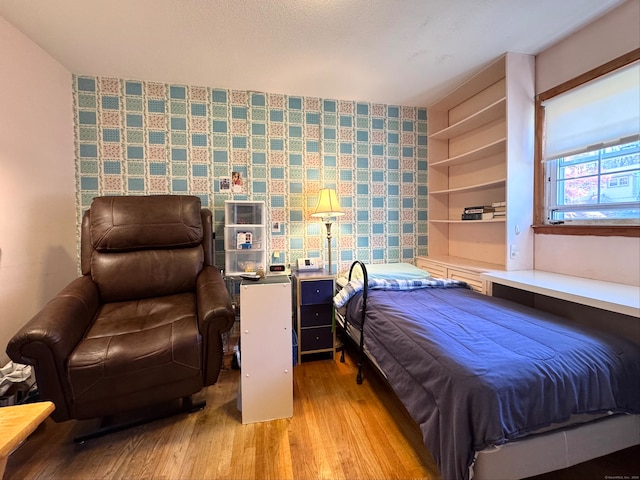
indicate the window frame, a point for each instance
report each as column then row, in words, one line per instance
column 539, row 170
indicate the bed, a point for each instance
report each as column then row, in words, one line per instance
column 499, row 390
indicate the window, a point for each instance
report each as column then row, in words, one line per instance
column 591, row 147
column 601, row 185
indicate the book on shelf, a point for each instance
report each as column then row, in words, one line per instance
column 477, row 216
column 499, row 204
column 479, row 209
column 501, row 213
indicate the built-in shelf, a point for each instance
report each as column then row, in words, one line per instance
column 492, row 220
column 494, row 148
column 470, row 188
column 492, row 112
column 482, row 151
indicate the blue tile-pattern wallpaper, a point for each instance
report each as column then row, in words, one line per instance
column 145, row 138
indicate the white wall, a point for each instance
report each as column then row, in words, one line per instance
column 37, row 181
column 615, row 259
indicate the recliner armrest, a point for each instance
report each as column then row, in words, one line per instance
column 215, row 316
column 47, row 340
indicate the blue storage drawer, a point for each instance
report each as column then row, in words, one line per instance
column 316, row 338
column 315, row 292
column 316, row 315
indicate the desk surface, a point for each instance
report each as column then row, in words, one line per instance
column 615, row 297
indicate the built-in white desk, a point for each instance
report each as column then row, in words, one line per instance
column 615, row 297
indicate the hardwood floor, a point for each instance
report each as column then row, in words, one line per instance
column 340, row 430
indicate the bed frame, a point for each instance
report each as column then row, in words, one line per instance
column 361, row 353
column 540, row 453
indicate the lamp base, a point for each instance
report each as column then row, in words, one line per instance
column 327, row 223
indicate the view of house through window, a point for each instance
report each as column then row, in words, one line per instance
column 601, row 184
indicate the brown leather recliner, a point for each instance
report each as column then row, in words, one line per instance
column 143, row 323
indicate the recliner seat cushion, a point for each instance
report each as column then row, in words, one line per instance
column 126, row 351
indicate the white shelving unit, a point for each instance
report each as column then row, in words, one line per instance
column 245, row 236
column 481, row 138
column 266, row 377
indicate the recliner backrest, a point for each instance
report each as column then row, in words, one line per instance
column 146, row 246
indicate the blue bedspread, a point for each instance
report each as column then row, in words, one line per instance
column 475, row 371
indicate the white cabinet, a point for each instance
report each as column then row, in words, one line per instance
column 481, row 152
column 266, row 357
column 245, row 239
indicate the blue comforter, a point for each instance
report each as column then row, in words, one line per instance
column 475, row 371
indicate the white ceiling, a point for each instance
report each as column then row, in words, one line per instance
column 404, row 52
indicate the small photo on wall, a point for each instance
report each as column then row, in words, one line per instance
column 237, row 184
column 225, row 184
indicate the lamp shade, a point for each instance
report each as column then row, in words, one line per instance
column 328, row 205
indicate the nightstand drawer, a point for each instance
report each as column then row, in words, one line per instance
column 316, row 338
column 317, row 291
column 315, row 315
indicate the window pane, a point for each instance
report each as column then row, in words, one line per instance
column 576, row 168
column 600, row 185
column 578, row 191
column 619, row 188
column 620, row 158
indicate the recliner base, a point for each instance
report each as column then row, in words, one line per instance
column 107, row 426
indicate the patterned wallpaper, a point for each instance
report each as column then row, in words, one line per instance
column 145, row 138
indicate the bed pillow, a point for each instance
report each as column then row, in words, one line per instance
column 391, row 271
column 354, row 286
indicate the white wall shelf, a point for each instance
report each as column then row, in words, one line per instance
column 470, row 188
column 482, row 117
column 492, row 148
column 492, row 220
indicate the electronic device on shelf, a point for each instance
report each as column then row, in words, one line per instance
column 308, row 264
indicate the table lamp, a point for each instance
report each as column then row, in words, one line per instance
column 327, row 207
